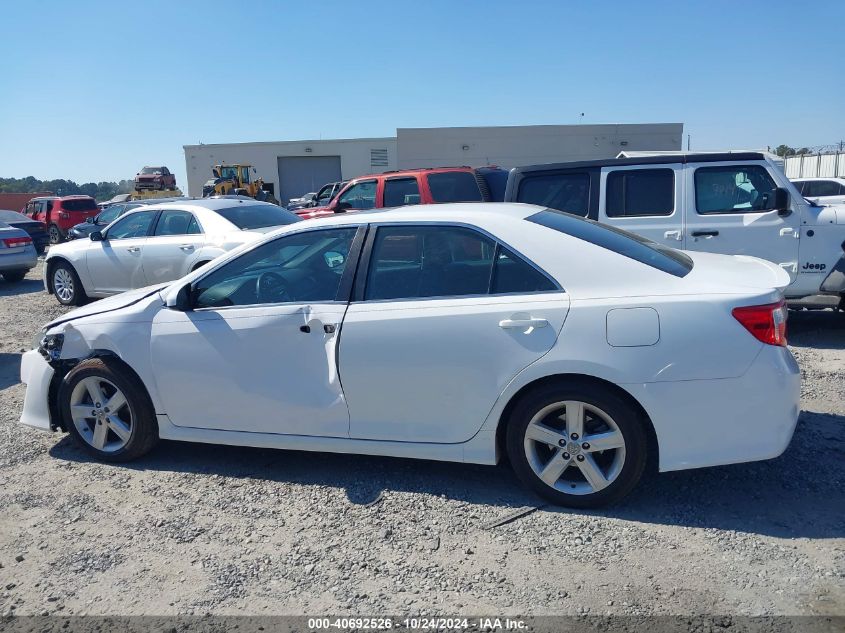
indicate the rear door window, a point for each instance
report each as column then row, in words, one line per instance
column 174, row 222
column 401, row 191
column 454, row 186
column 568, row 192
column 414, row 262
column 640, row 193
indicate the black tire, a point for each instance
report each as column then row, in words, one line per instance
column 77, row 296
column 143, row 434
column 13, row 276
column 55, row 233
column 622, row 413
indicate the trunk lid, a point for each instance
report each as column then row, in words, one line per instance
column 737, row 270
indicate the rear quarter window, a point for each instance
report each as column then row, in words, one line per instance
column 79, row 205
column 454, row 186
column 613, row 239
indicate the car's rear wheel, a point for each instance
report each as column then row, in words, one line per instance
column 107, row 410
column 14, row 275
column 577, row 445
column 55, row 234
column 66, row 285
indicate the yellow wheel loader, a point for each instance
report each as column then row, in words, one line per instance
column 235, row 180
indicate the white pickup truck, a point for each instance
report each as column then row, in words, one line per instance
column 737, row 203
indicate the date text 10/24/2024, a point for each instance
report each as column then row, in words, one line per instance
column 418, row 624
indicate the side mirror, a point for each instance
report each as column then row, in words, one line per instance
column 181, row 300
column 97, row 236
column 782, row 201
column 342, row 207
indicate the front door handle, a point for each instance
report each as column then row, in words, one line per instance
column 134, row 249
column 704, row 233
column 522, row 324
column 187, row 247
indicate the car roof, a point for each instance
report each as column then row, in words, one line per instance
column 662, row 159
column 412, row 172
column 471, row 212
column 839, row 178
column 206, row 203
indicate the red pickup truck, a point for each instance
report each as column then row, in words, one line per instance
column 413, row 186
column 158, row 178
column 61, row 213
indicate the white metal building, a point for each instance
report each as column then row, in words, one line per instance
column 297, row 167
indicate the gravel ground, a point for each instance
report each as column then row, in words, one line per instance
column 194, row 529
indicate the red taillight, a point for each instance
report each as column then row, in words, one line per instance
column 767, row 322
column 14, row 242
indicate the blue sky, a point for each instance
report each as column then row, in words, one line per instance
column 92, row 90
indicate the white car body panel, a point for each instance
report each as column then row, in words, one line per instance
column 713, row 392
column 456, row 360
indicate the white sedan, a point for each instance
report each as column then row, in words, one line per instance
column 449, row 332
column 156, row 243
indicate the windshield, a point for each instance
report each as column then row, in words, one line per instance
column 257, row 216
column 613, row 239
column 151, row 170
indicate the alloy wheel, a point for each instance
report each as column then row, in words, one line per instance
column 574, row 447
column 55, row 235
column 63, row 284
column 101, row 414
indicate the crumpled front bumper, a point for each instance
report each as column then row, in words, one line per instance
column 37, row 375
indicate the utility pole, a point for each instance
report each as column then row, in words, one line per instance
column 688, row 141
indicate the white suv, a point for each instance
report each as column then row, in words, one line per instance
column 735, row 203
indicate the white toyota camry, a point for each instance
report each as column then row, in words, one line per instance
column 154, row 244
column 449, row 332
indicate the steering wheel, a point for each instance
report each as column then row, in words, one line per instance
column 270, row 288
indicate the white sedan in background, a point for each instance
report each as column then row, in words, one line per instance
column 453, row 332
column 822, row 190
column 156, row 243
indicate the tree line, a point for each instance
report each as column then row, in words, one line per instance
column 98, row 190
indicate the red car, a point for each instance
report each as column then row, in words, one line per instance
column 155, row 178
column 60, row 214
column 412, row 186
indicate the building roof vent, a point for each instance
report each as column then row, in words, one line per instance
column 378, row 158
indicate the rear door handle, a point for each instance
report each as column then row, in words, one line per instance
column 134, row 249
column 187, row 247
column 704, row 233
column 522, row 324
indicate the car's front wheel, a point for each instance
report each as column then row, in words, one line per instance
column 107, row 410
column 66, row 285
column 577, row 445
